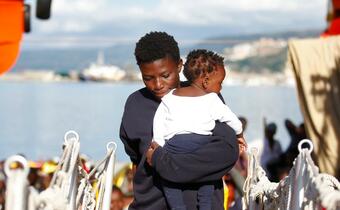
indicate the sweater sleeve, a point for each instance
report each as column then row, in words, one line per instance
column 158, row 124
column 208, row 163
column 130, row 130
column 130, row 146
column 223, row 113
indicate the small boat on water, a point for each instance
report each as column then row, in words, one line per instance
column 99, row 71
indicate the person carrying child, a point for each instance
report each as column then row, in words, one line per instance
column 158, row 58
column 193, row 110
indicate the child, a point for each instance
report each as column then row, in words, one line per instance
column 193, row 110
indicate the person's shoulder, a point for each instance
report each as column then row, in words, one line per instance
column 135, row 95
column 212, row 94
column 219, row 96
column 139, row 100
column 139, row 96
column 169, row 96
column 214, row 97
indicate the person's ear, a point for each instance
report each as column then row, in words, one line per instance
column 205, row 82
column 180, row 65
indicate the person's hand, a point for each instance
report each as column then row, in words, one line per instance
column 134, row 169
column 153, row 146
column 242, row 144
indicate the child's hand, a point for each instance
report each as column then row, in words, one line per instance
column 153, row 146
column 242, row 144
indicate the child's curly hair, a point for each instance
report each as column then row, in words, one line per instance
column 200, row 62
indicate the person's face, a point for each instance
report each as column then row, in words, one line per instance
column 216, row 79
column 161, row 76
column 116, row 201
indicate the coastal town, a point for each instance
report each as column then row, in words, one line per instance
column 99, row 71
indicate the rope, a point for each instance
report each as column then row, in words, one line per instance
column 70, row 187
column 104, row 175
column 61, row 193
column 303, row 188
column 86, row 195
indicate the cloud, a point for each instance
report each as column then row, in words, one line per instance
column 112, row 17
column 219, row 12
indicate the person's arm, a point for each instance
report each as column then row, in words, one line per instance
column 223, row 113
column 291, row 128
column 279, row 148
column 130, row 145
column 208, row 163
column 130, row 127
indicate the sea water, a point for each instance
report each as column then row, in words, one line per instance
column 34, row 116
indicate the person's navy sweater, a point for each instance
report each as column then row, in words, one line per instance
column 206, row 164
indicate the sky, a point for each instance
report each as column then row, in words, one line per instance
column 120, row 21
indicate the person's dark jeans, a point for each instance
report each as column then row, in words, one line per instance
column 204, row 196
column 174, row 196
column 180, row 144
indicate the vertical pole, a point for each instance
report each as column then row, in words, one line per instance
column 111, row 147
column 16, row 193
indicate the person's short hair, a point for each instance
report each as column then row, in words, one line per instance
column 200, row 62
column 156, row 45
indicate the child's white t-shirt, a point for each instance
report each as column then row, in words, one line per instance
column 185, row 114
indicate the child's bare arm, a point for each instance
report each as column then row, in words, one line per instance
column 242, row 144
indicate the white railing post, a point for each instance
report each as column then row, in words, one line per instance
column 298, row 192
column 72, row 137
column 17, row 185
column 111, row 148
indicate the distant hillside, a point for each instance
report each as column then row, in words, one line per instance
column 217, row 44
column 270, row 63
column 64, row 60
column 277, row 35
column 273, row 62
